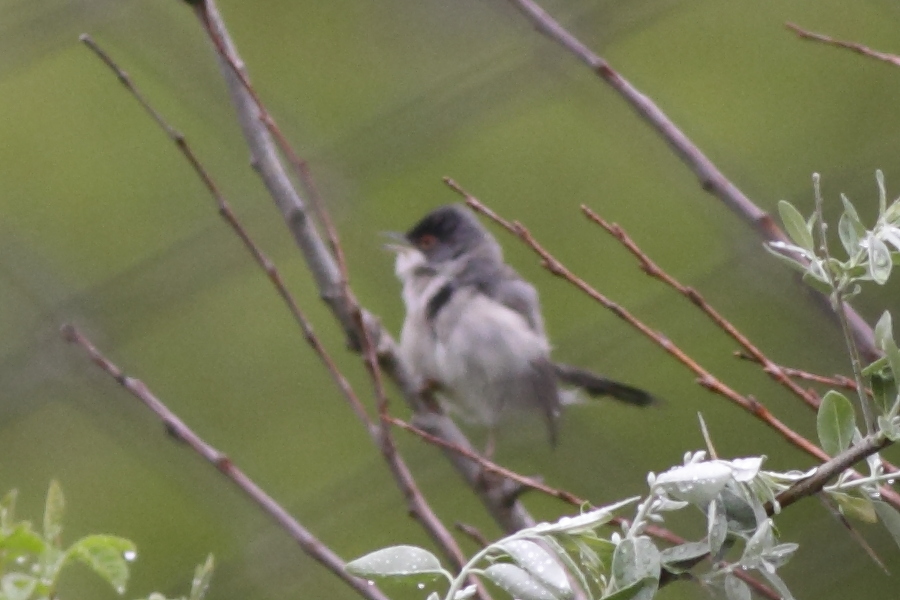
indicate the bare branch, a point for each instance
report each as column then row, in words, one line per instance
column 859, row 48
column 180, row 431
column 704, row 377
column 711, row 178
column 653, row 270
column 327, row 272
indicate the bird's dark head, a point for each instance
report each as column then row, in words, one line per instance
column 447, row 232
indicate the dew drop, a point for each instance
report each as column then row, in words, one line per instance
column 129, row 555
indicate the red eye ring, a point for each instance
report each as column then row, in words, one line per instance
column 426, row 242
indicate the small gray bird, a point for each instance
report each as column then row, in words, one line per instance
column 473, row 330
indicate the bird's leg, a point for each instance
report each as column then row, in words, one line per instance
column 427, row 394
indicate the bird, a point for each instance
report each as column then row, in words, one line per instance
column 473, row 330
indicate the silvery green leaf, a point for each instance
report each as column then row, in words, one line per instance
column 396, row 561
column 639, row 590
column 17, row 586
column 777, row 583
column 882, row 193
column 735, row 589
column 518, row 582
column 789, row 254
column 53, row 512
column 761, row 542
column 848, row 236
column 835, row 423
column 107, row 555
column 856, row 507
column 667, row 504
column 202, row 577
column 884, row 390
column 584, row 522
column 542, row 565
column 683, row 556
column 880, row 261
column 745, row 469
column 697, row 483
column 780, row 554
column 795, row 225
column 884, row 330
column 467, row 592
column 716, row 526
column 635, row 559
column 889, row 428
column 890, row 518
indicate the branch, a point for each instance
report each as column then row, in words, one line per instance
column 859, row 48
column 325, row 269
column 712, row 180
column 418, row 505
column 181, row 432
column 704, row 377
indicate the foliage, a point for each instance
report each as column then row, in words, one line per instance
column 551, row 560
column 31, row 562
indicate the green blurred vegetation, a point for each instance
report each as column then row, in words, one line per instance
column 102, row 223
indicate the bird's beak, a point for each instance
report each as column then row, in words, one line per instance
column 398, row 242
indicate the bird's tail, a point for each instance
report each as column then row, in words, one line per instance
column 597, row 385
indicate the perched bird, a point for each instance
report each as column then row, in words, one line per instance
column 473, row 330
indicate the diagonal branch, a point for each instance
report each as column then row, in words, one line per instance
column 711, row 178
column 704, row 377
column 352, row 317
column 418, row 505
column 180, row 431
column 859, row 48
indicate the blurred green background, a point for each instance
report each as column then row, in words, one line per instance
column 102, row 223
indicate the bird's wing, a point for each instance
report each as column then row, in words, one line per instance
column 519, row 295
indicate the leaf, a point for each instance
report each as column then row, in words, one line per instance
column 53, row 513
column 17, row 586
column 880, row 261
column 777, row 583
column 587, row 521
column 759, row 543
column 644, row 589
column 22, row 541
column 7, row 511
column 735, row 589
column 889, row 517
column 107, row 555
column 857, row 507
column 635, row 559
column 396, row 561
column 884, row 330
column 202, row 576
column 518, row 582
column 542, row 565
column 698, row 483
column 684, row 556
column 835, row 423
column 716, row 527
column 795, row 225
column 467, row 592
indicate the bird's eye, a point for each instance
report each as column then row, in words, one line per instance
column 426, row 242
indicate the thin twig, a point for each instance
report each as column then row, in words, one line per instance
column 655, row 531
column 711, row 178
column 864, row 50
column 327, row 273
column 177, row 428
column 840, row 307
column 704, row 377
column 418, row 506
column 490, row 466
column 653, row 270
column 836, row 381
